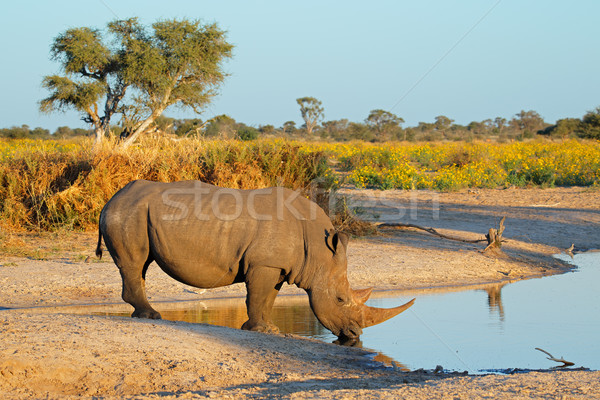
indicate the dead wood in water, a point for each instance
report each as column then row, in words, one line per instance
column 558, row 360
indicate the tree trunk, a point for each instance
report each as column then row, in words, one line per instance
column 148, row 121
column 99, row 131
column 141, row 129
column 309, row 127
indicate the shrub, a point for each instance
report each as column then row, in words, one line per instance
column 47, row 188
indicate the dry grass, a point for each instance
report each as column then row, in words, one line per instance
column 53, row 190
column 64, row 245
column 345, row 221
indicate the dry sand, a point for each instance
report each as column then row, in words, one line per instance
column 47, row 350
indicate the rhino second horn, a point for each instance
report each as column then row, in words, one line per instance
column 374, row 316
column 362, row 295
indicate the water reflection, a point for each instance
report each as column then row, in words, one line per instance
column 290, row 315
column 494, row 293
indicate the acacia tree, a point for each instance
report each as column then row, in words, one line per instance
column 178, row 63
column 383, row 122
column 91, row 74
column 442, row 124
column 311, row 111
column 528, row 122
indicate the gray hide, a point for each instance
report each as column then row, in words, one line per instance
column 206, row 236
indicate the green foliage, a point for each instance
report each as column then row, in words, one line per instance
column 590, row 124
column 81, row 51
column 247, row 133
column 167, row 124
column 335, row 129
column 222, row 126
column 188, row 127
column 177, row 62
column 267, row 129
column 384, row 123
column 442, row 123
column 66, row 93
column 289, row 127
column 91, row 74
column 64, row 132
column 23, row 132
column 564, row 128
column 358, row 131
column 528, row 122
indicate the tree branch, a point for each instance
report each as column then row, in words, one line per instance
column 558, row 360
column 428, row 230
column 143, row 126
column 85, row 73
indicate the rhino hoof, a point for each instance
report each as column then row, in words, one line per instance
column 260, row 327
column 150, row 314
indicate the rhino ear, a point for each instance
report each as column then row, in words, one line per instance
column 344, row 239
column 334, row 239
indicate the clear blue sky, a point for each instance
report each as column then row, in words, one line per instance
column 354, row 56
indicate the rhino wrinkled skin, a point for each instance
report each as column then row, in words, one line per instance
column 206, row 236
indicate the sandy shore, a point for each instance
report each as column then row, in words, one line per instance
column 48, row 351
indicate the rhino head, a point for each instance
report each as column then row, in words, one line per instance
column 338, row 307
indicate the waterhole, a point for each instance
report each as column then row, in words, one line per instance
column 492, row 328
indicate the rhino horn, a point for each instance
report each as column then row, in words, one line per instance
column 374, row 316
column 362, row 295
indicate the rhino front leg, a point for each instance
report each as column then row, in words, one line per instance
column 262, row 285
column 134, row 289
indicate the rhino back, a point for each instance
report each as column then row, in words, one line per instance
column 208, row 236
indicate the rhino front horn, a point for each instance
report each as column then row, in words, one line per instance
column 374, row 316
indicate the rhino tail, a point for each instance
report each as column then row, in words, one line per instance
column 99, row 246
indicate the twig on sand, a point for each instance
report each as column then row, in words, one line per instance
column 545, row 205
column 558, row 360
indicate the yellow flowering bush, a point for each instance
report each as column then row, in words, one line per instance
column 452, row 166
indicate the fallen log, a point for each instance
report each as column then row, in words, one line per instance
column 428, row 230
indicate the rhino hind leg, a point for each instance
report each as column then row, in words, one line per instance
column 134, row 289
column 262, row 285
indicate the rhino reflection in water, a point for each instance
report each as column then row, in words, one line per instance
column 207, row 237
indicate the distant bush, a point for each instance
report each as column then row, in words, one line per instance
column 247, row 133
column 590, row 125
column 23, row 132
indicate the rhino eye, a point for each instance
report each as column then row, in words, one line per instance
column 340, row 300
